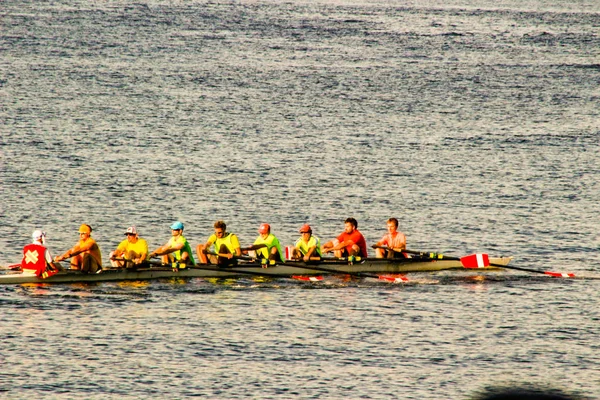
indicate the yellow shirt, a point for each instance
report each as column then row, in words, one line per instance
column 230, row 240
column 140, row 247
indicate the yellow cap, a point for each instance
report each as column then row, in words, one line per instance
column 85, row 229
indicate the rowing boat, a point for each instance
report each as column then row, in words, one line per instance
column 287, row 269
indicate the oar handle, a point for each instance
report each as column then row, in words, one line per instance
column 212, row 253
column 254, row 247
column 390, row 248
column 428, row 254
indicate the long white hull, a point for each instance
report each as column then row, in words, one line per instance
column 281, row 270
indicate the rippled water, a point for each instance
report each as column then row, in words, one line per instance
column 474, row 122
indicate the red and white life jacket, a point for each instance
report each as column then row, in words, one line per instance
column 34, row 259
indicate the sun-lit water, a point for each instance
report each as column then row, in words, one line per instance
column 473, row 122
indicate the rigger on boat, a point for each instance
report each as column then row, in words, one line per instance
column 265, row 257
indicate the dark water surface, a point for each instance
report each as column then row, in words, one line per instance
column 473, row 122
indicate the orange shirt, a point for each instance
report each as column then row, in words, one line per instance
column 394, row 241
column 91, row 247
column 357, row 238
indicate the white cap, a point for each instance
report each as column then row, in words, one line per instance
column 38, row 234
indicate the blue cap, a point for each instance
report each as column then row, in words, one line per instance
column 177, row 225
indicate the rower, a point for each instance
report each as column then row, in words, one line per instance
column 177, row 248
column 307, row 247
column 227, row 246
column 394, row 240
column 37, row 258
column 85, row 255
column 267, row 245
column 133, row 249
column 349, row 243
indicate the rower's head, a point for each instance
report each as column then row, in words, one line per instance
column 85, row 231
column 39, row 236
column 176, row 228
column 220, row 228
column 132, row 234
column 264, row 229
column 350, row 225
column 306, row 231
column 392, row 225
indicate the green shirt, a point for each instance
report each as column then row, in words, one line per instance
column 186, row 248
column 271, row 241
column 312, row 242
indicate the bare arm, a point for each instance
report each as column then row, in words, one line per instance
column 73, row 251
column 339, row 246
column 166, row 249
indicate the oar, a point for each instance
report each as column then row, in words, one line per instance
column 13, row 267
column 419, row 253
column 483, row 260
column 254, row 247
column 397, row 250
column 43, row 275
column 400, row 278
column 263, row 261
column 307, row 278
column 300, row 264
column 232, row 269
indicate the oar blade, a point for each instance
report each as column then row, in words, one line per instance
column 394, row 278
column 560, row 274
column 475, row 261
column 307, row 278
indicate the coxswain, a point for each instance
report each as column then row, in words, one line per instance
column 176, row 249
column 37, row 258
column 85, row 255
column 307, row 247
column 133, row 250
column 349, row 243
column 226, row 246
